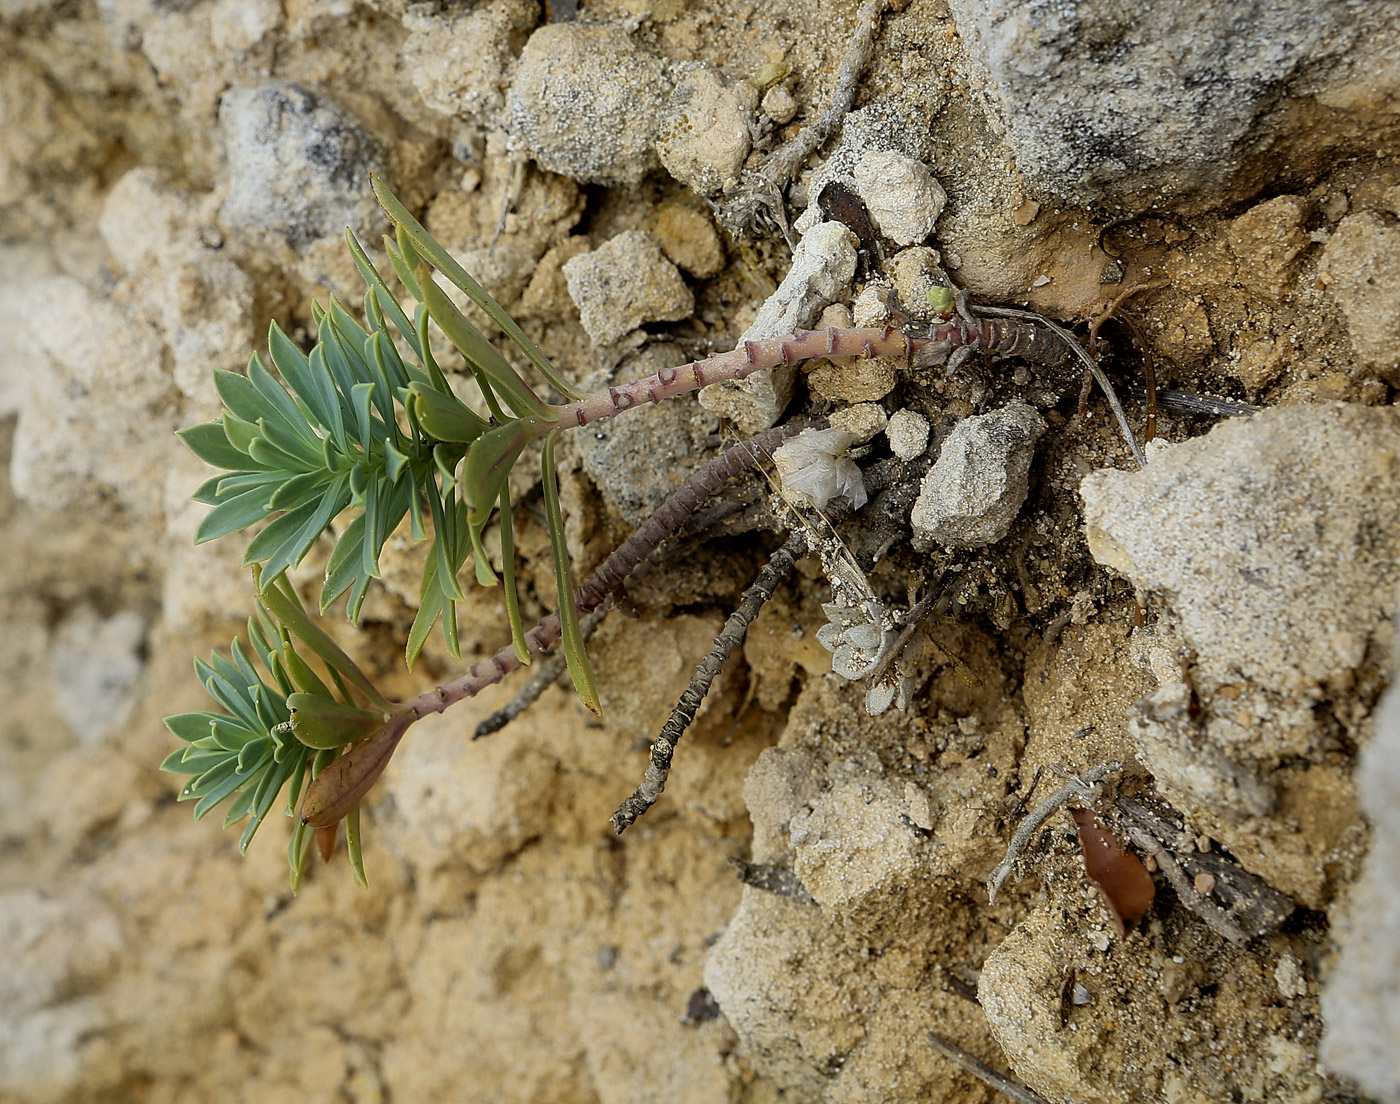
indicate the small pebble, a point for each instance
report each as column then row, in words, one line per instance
column 1204, row 883
column 908, row 434
column 1080, row 995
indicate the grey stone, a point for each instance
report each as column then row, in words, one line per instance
column 1112, row 98
column 975, row 489
column 908, row 433
column 823, row 267
column 299, row 165
column 585, row 102
column 1361, row 1003
column 623, row 283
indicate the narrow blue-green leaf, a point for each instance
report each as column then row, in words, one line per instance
column 298, row 490
column 190, row 726
column 517, row 624
column 239, row 806
column 176, row 763
column 241, row 397
column 344, row 566
column 395, row 461
column 369, row 552
column 404, row 270
column 444, row 263
column 335, row 499
column 287, row 414
column 217, row 792
column 229, row 517
column 571, row 636
column 241, row 435
column 354, row 847
column 379, row 289
column 276, row 533
column 306, row 450
column 430, row 606
column 312, row 386
column 445, row 543
column 208, row 491
column 320, row 367
column 211, row 444
column 485, row 575
column 481, row 354
column 253, row 753
column 361, row 399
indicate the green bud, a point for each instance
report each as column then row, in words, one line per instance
column 322, row 722
column 942, row 299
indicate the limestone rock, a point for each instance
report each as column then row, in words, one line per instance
column 1360, row 1003
column 1275, row 548
column 623, row 283
column 586, row 100
column 459, row 59
column 1174, row 106
column 821, row 272
column 299, row 166
column 901, row 195
column 704, row 132
column 974, row 490
column 1361, row 266
column 908, row 433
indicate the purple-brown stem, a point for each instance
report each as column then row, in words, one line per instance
column 998, row 336
column 615, row 569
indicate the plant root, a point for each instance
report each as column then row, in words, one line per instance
column 1075, row 787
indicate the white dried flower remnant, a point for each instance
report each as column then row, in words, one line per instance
column 813, row 469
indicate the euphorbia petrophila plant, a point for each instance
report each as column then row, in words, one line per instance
column 367, row 420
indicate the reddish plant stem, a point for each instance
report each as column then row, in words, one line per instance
column 615, row 569
column 1001, row 337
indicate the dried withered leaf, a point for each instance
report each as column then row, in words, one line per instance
column 1121, row 878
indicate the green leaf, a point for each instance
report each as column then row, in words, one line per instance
column 490, row 458
column 319, row 721
column 580, row 670
column 443, row 415
column 444, row 263
column 237, row 513
column 210, row 443
column 481, row 354
column 282, row 602
column 380, row 289
column 314, row 387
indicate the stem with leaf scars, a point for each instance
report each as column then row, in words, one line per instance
column 336, row 791
column 623, row 561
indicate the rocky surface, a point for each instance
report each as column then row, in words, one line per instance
column 1215, row 184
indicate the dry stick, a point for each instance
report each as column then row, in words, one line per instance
column 983, row 1072
column 615, row 569
column 779, row 565
column 1089, row 362
column 1216, row 918
column 782, row 164
column 1042, row 812
column 764, row 187
column 547, row 672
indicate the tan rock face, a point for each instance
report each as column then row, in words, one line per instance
column 174, row 176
